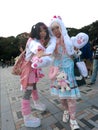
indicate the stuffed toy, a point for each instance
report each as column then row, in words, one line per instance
column 38, row 61
column 62, row 81
column 79, row 41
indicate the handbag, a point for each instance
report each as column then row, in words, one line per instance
column 21, row 63
column 17, row 68
column 82, row 68
column 53, row 72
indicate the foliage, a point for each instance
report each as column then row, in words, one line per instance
column 9, row 47
column 91, row 30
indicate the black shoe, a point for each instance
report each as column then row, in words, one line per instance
column 89, row 84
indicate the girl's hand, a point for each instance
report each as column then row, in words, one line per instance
column 40, row 54
column 46, row 54
column 94, row 47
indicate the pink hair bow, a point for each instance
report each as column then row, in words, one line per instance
column 57, row 17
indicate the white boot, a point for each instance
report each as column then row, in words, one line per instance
column 31, row 121
column 74, row 125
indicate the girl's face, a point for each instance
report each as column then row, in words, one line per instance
column 42, row 33
column 56, row 31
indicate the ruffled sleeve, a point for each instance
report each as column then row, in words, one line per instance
column 34, row 46
column 69, row 45
column 51, row 46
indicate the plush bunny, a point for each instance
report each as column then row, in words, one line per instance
column 62, row 81
column 79, row 41
column 39, row 62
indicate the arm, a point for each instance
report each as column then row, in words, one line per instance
column 69, row 46
column 51, row 46
column 50, row 49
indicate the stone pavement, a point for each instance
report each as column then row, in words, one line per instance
column 10, row 105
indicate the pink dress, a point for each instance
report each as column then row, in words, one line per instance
column 29, row 75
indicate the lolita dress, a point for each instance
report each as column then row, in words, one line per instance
column 65, row 64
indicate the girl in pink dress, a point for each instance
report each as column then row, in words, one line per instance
column 30, row 76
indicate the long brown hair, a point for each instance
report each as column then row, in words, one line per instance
column 35, row 32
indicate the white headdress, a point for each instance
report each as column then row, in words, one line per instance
column 58, row 20
column 67, row 40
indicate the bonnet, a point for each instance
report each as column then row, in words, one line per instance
column 67, row 39
column 58, row 20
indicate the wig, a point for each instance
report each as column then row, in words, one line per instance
column 67, row 40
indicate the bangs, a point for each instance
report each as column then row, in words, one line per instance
column 43, row 27
column 55, row 24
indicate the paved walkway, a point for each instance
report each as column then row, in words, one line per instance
column 10, row 107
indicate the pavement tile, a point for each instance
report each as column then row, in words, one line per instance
column 10, row 105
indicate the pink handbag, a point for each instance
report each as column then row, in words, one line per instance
column 17, row 68
column 53, row 72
